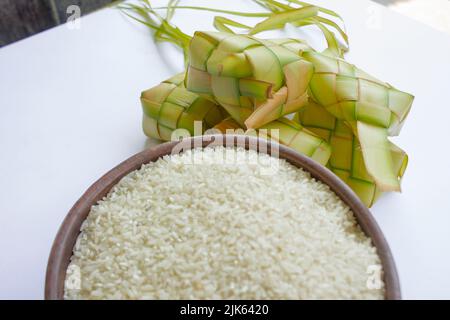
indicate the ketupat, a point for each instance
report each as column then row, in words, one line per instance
column 346, row 159
column 366, row 109
column 256, row 81
column 373, row 109
column 169, row 106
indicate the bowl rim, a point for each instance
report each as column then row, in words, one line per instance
column 65, row 239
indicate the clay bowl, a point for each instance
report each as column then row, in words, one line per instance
column 70, row 228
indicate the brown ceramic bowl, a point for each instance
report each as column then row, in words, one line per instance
column 65, row 239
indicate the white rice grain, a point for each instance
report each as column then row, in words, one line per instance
column 211, row 230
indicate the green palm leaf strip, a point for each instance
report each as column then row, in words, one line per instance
column 298, row 13
column 163, row 30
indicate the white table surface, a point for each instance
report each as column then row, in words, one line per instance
column 69, row 111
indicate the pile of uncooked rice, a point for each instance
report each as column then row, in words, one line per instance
column 193, row 226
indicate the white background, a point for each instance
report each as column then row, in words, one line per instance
column 69, row 112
